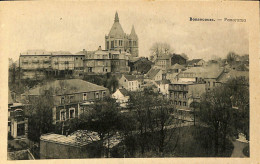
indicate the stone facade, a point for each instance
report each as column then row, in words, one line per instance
column 118, row 40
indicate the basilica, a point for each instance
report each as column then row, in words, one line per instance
column 118, row 40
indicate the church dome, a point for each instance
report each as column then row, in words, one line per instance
column 116, row 30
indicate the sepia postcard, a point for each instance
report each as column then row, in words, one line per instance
column 130, row 81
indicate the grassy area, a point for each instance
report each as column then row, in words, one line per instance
column 189, row 141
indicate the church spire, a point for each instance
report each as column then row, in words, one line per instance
column 116, row 17
column 133, row 30
column 133, row 34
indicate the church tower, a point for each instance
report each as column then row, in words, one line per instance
column 118, row 40
column 133, row 43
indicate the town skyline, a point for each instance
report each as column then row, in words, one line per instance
column 67, row 29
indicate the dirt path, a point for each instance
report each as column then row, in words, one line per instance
column 238, row 149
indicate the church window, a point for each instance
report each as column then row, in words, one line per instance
column 107, row 45
column 112, row 44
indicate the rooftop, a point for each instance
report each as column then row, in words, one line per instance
column 69, row 86
column 194, row 61
column 124, row 91
column 78, row 138
column 130, row 77
column 152, row 72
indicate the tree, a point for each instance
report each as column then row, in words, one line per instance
column 154, row 120
column 102, row 119
column 39, row 114
column 240, row 101
column 166, row 123
column 216, row 112
column 160, row 48
column 231, row 58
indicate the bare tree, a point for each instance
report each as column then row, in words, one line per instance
column 160, row 48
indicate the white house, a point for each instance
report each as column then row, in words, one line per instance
column 121, row 97
column 163, row 86
column 129, row 82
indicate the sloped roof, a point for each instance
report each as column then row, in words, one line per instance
column 130, row 77
column 81, row 53
column 152, row 72
column 233, row 74
column 205, row 72
column 123, row 91
column 194, row 61
column 71, row 86
column 213, row 74
column 133, row 34
column 116, row 31
column 164, row 81
column 176, row 66
column 164, row 57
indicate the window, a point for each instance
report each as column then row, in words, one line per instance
column 184, row 104
column 104, row 94
column 175, row 95
column 72, row 113
column 112, row 44
column 209, row 83
column 180, row 103
column 175, row 102
column 84, row 96
column 97, row 95
column 107, row 45
column 115, row 43
column 184, row 95
column 71, row 98
column 62, row 100
column 213, row 84
column 184, row 87
column 63, row 115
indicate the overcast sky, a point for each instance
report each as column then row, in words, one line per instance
column 76, row 26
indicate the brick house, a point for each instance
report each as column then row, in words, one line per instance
column 71, row 97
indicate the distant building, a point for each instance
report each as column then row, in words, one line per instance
column 141, row 65
column 103, row 61
column 17, row 122
column 184, row 93
column 118, row 40
column 71, row 97
column 168, row 60
column 154, row 74
column 163, row 87
column 38, row 64
column 35, row 64
column 226, row 76
column 129, row 82
column 121, row 96
column 196, row 63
